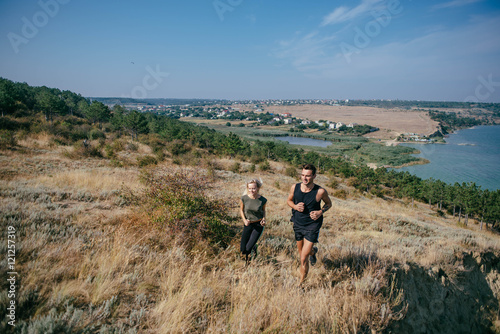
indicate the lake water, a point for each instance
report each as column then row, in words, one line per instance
column 470, row 155
column 304, row 141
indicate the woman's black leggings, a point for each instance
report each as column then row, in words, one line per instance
column 250, row 236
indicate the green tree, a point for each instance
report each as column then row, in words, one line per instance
column 135, row 123
column 470, row 197
column 117, row 118
column 49, row 103
column 72, row 101
column 6, row 97
column 97, row 112
column 233, row 145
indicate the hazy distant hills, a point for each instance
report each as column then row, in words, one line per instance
column 155, row 101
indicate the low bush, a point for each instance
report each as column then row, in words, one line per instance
column 96, row 134
column 291, row 171
column 84, row 149
column 131, row 147
column 177, row 203
column 178, row 147
column 265, row 166
column 146, row 161
column 110, row 153
column 235, row 167
column 7, row 123
column 7, row 139
column 256, row 159
column 340, row 193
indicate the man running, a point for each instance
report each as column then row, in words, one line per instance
column 307, row 216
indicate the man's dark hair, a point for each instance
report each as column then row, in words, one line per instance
column 310, row 167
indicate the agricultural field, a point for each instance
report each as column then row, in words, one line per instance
column 391, row 122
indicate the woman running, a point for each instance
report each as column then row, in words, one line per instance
column 253, row 213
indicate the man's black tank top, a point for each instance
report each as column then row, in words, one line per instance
column 310, row 204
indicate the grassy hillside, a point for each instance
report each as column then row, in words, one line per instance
column 120, row 246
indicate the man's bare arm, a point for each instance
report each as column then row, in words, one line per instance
column 300, row 206
column 323, row 195
column 327, row 200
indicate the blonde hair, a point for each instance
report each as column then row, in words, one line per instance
column 257, row 182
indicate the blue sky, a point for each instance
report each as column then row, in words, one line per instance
column 241, row 49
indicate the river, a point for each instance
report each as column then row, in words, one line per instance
column 470, row 155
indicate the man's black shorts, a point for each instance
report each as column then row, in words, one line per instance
column 302, row 232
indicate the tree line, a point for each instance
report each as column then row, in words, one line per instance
column 450, row 121
column 82, row 119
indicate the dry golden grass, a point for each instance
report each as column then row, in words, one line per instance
column 93, row 180
column 392, row 120
column 38, row 141
column 90, row 259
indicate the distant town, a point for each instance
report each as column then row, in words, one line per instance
column 251, row 113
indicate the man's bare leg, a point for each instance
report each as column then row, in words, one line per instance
column 305, row 250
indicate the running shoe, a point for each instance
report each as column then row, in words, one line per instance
column 313, row 258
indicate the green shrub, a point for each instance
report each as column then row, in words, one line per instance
column 377, row 191
column 256, row 159
column 132, row 147
column 110, row 153
column 178, row 204
column 178, row 147
column 7, row 139
column 160, row 155
column 96, row 134
column 146, row 161
column 7, row 123
column 333, row 183
column 291, row 171
column 118, row 145
column 84, row 149
column 235, row 167
column 340, row 193
column 264, row 166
